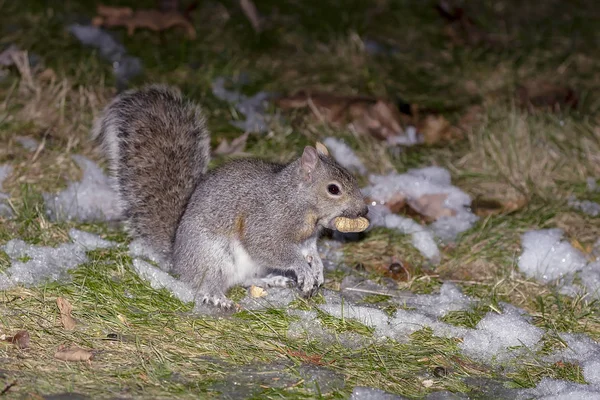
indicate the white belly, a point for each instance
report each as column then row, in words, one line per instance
column 244, row 267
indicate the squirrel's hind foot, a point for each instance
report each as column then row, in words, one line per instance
column 218, row 300
column 273, row 280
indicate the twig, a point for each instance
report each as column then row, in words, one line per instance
column 7, row 387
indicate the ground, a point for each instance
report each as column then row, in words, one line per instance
column 149, row 344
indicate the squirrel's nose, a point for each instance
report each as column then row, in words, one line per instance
column 364, row 211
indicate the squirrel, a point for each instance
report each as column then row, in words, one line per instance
column 238, row 223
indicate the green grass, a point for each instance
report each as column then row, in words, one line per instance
column 165, row 350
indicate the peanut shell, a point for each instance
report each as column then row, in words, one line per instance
column 347, row 225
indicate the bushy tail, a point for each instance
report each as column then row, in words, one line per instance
column 158, row 147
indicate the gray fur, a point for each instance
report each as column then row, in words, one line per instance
column 229, row 226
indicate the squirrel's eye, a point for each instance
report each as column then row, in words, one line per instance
column 333, row 189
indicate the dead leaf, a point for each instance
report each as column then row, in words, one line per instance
column 73, row 354
column 236, row 147
column 485, row 207
column 252, row 14
column 151, row 19
column 314, row 359
column 257, row 291
column 47, row 75
column 397, row 202
column 65, row 308
column 379, row 118
column 539, row 94
column 435, row 128
column 432, row 206
column 20, row 339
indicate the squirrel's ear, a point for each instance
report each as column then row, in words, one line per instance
column 309, row 161
column 321, row 149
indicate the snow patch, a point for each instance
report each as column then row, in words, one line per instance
column 501, row 337
column 554, row 389
column 31, row 265
column 546, row 257
column 159, row 279
column 344, row 155
column 92, row 199
column 421, row 237
column 449, row 299
column 426, row 181
column 5, row 210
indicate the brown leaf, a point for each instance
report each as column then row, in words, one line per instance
column 367, row 115
column 434, row 129
column 73, row 354
column 432, row 206
column 484, row 207
column 396, row 203
column 540, row 94
column 20, row 339
column 65, row 308
column 236, row 147
column 315, row 359
column 150, row 19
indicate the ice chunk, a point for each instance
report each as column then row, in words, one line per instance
column 496, row 337
column 5, row 171
column 139, row 249
column 546, row 257
column 159, row 279
column 590, row 278
column 31, row 264
column 445, row 395
column 421, row 237
column 309, row 327
column 367, row 393
column 554, row 389
column 426, row 181
column 27, row 142
column 125, row 67
column 449, row 299
column 89, row 241
column 368, row 316
column 585, row 206
column 344, row 155
column 92, row 199
column 399, row 327
column 591, row 371
column 406, row 322
column 253, row 107
column 580, row 348
column 276, row 297
column 409, row 138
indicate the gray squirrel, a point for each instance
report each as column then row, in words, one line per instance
column 239, row 223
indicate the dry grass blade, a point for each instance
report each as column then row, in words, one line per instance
column 252, row 14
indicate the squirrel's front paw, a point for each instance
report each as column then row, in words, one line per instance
column 307, row 282
column 316, row 265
